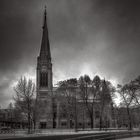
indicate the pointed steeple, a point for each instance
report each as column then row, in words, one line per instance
column 45, row 53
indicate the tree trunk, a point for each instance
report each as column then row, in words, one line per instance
column 100, row 122
column 91, row 119
column 75, row 114
column 34, row 124
column 129, row 119
column 29, row 123
column 83, row 120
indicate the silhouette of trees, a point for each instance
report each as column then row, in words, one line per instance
column 130, row 100
column 127, row 94
column 85, row 84
column 136, row 89
column 67, row 90
column 97, row 94
column 94, row 94
column 24, row 98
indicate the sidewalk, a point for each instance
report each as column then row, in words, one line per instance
column 52, row 132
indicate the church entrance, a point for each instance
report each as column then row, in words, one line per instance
column 43, row 125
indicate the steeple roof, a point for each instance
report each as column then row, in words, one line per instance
column 45, row 53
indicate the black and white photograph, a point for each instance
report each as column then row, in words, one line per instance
column 70, row 69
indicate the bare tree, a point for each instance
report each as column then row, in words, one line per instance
column 105, row 99
column 135, row 87
column 97, row 95
column 127, row 94
column 68, row 89
column 85, row 85
column 11, row 111
column 96, row 89
column 25, row 90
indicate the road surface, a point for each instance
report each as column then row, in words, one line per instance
column 55, row 137
column 134, row 138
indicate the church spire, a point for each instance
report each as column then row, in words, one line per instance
column 45, row 18
column 45, row 45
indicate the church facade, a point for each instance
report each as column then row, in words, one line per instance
column 52, row 109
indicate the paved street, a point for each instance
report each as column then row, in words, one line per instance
column 56, row 137
column 61, row 135
column 134, row 138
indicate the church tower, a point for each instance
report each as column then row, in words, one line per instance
column 44, row 80
column 44, row 65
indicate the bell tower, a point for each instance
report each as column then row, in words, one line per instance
column 44, row 80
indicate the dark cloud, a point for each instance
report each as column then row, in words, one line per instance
column 86, row 36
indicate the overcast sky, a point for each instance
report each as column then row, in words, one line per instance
column 95, row 37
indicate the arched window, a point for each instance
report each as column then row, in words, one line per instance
column 44, row 79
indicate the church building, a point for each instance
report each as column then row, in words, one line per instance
column 52, row 109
